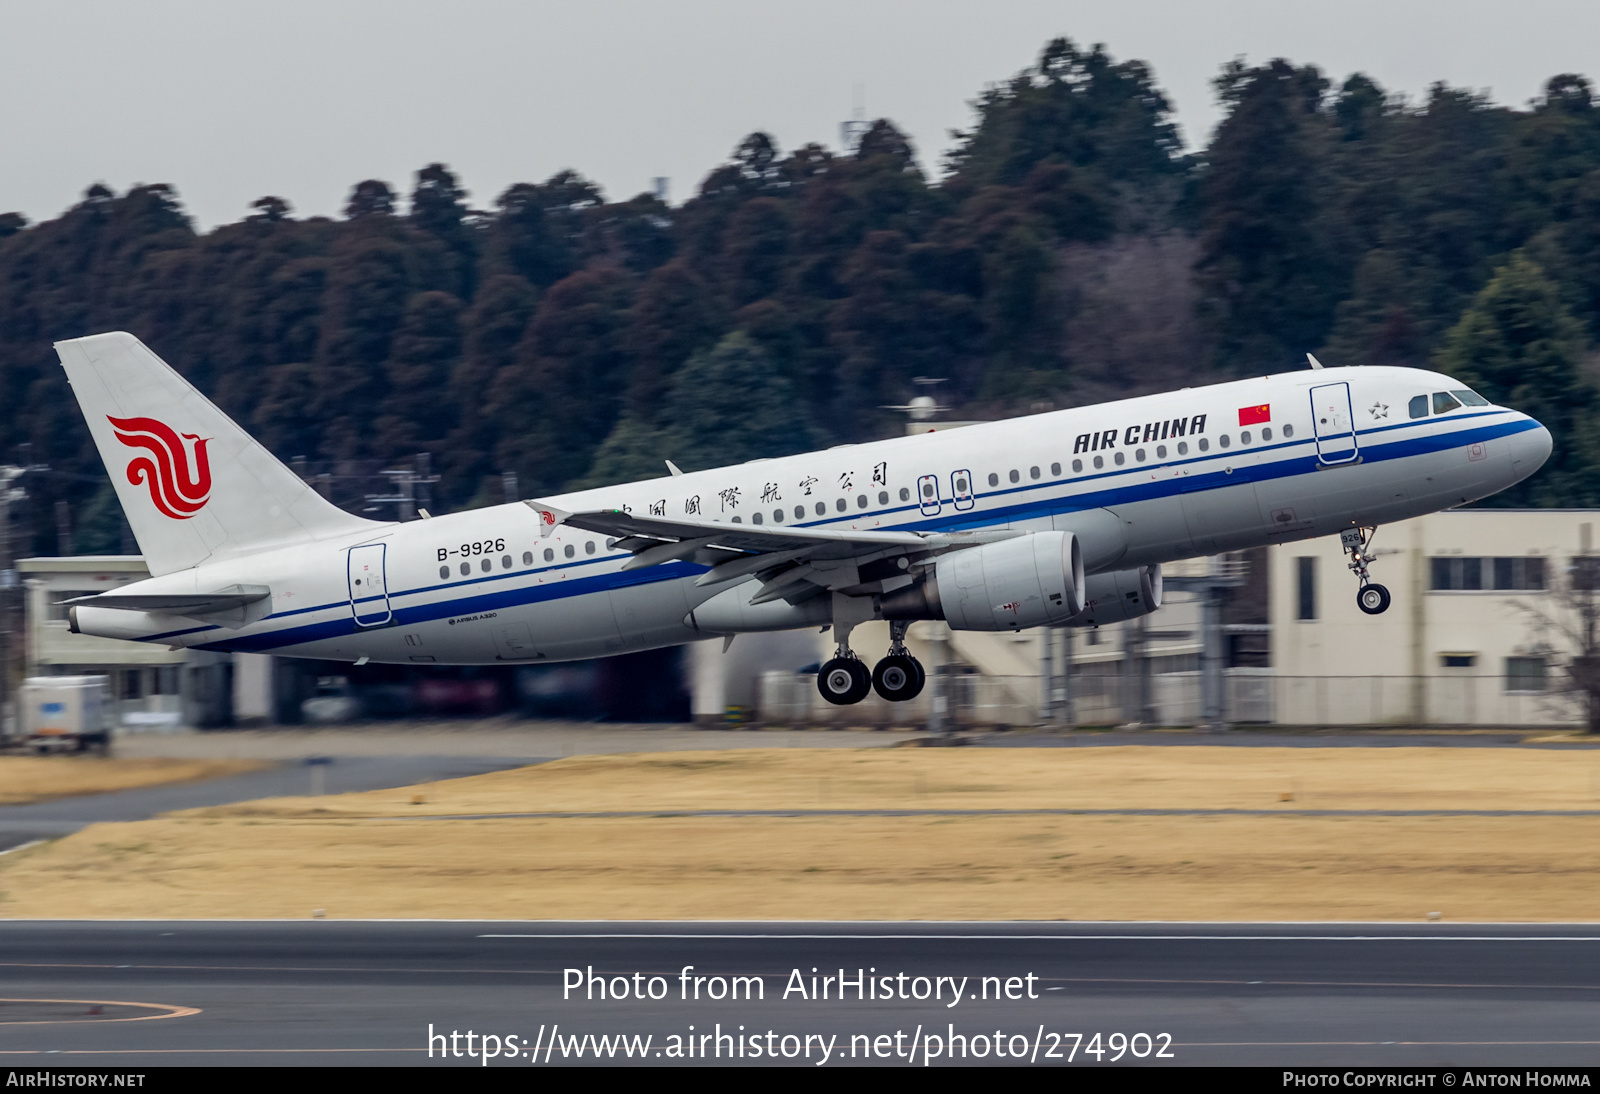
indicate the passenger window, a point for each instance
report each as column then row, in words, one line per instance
column 1266, row 433
column 1205, row 445
column 905, row 495
column 1139, row 455
column 756, row 518
column 1055, row 469
column 1419, row 406
column 1443, row 403
column 549, row 554
column 1183, row 448
column 883, row 497
column 505, row 562
column 841, row 505
column 486, row 565
column 822, row 509
column 444, row 571
column 1118, row 458
column 570, row 550
column 994, row 480
column 799, row 512
column 1033, row 472
column 1161, row 451
column 1077, row 466
column 527, row 558
column 1288, row 431
column 1244, row 438
column 1470, row 398
column 1099, row 462
column 861, row 501
column 777, row 516
column 588, row 548
column 1224, row 440
column 466, row 568
column 1015, row 477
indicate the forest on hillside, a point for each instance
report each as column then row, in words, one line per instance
column 1068, row 250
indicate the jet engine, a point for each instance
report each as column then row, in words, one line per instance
column 1006, row 586
column 1118, row 595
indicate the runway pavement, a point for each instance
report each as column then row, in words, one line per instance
column 139, row 994
column 20, row 824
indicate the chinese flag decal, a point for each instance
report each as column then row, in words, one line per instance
column 1255, row 415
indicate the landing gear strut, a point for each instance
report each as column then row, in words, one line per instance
column 1371, row 598
column 899, row 676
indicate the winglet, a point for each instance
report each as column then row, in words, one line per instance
column 1314, row 362
column 549, row 516
column 674, row 469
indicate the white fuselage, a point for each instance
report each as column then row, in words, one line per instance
column 1140, row 481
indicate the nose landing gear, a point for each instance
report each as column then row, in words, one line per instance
column 1371, row 598
column 899, row 676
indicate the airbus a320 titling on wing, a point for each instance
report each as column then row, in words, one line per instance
column 1061, row 518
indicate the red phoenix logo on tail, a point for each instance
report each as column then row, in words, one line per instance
column 178, row 489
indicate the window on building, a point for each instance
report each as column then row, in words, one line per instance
column 1458, row 660
column 1525, row 673
column 1456, row 574
column 1305, row 575
column 1519, row 573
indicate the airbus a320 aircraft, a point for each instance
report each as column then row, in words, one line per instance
column 1055, row 519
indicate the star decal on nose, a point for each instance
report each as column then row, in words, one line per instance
column 1379, row 410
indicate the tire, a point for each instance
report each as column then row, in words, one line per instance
column 1372, row 599
column 898, row 678
column 844, row 681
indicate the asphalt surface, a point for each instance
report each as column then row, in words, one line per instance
column 366, row 993
column 20, row 824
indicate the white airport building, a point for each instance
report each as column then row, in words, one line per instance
column 1484, row 619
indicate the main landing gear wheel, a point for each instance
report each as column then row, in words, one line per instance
column 898, row 677
column 843, row 681
column 1372, row 599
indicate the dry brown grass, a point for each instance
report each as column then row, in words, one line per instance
column 358, row 856
column 26, row 779
column 1172, row 777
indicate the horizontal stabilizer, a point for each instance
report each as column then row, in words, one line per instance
column 235, row 603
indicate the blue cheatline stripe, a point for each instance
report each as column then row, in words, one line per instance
column 1108, row 496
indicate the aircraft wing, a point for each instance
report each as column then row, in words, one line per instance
column 792, row 563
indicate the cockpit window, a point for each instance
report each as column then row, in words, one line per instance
column 1419, row 407
column 1444, row 402
column 1470, row 398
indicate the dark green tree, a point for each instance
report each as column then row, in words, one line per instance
column 1517, row 345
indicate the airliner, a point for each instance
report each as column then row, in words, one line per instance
column 1055, row 519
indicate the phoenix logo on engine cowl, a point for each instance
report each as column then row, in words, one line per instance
column 178, row 487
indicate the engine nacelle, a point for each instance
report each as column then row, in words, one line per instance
column 1012, row 585
column 1119, row 595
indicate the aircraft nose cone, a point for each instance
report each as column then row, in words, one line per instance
column 1530, row 448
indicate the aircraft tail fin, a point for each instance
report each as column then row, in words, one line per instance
column 193, row 484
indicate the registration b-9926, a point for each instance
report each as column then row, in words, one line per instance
column 481, row 547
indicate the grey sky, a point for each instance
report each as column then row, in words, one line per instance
column 230, row 101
